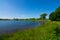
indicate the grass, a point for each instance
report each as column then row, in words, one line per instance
column 43, row 32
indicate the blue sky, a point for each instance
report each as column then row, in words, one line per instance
column 26, row 8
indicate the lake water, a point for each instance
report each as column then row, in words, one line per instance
column 11, row 26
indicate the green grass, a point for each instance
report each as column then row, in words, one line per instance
column 43, row 32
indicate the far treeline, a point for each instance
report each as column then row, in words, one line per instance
column 54, row 16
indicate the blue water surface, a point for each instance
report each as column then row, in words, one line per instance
column 11, row 26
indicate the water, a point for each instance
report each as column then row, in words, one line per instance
column 11, row 26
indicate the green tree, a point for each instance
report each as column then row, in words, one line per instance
column 43, row 17
column 55, row 16
column 52, row 16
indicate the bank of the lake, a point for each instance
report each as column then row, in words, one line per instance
column 43, row 32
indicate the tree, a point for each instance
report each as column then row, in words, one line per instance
column 58, row 9
column 43, row 17
column 52, row 16
column 55, row 16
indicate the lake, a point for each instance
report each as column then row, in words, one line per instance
column 11, row 26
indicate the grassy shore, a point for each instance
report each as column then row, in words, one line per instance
column 43, row 32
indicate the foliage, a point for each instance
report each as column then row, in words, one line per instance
column 52, row 16
column 55, row 16
column 57, row 29
column 43, row 16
